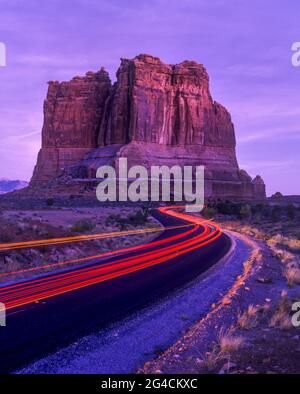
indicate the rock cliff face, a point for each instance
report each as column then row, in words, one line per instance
column 259, row 187
column 154, row 114
column 159, row 103
column 72, row 115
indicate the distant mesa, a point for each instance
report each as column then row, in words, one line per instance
column 154, row 114
column 9, row 185
column 277, row 196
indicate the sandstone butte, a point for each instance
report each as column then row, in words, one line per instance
column 154, row 114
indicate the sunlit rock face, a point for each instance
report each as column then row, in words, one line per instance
column 166, row 104
column 154, row 114
column 72, row 115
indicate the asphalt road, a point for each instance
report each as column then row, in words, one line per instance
column 48, row 313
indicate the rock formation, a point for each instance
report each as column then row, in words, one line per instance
column 259, row 187
column 9, row 185
column 72, row 115
column 154, row 114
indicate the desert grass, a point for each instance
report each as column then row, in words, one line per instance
column 291, row 243
column 229, row 342
column 292, row 274
column 281, row 318
column 249, row 318
column 290, row 261
column 212, row 358
column 285, row 248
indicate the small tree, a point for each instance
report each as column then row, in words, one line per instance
column 245, row 211
column 209, row 212
column 145, row 212
column 291, row 212
column 82, row 226
column 277, row 196
column 276, row 213
column 50, row 201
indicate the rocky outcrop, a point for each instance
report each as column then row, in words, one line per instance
column 259, row 187
column 9, row 185
column 164, row 104
column 155, row 113
column 72, row 116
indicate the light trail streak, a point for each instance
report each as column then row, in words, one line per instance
column 38, row 289
column 103, row 255
column 80, row 238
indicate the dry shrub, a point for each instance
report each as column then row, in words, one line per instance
column 229, row 342
column 292, row 274
column 249, row 318
column 211, row 359
column 281, row 317
column 285, row 256
column 291, row 243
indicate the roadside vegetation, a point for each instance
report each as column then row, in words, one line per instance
column 275, row 224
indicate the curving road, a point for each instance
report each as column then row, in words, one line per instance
column 48, row 312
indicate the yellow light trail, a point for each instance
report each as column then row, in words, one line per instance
column 80, row 238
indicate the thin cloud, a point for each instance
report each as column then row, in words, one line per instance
column 12, row 138
column 274, row 133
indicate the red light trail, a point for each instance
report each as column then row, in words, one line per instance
column 16, row 295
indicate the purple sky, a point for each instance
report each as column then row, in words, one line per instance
column 245, row 46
